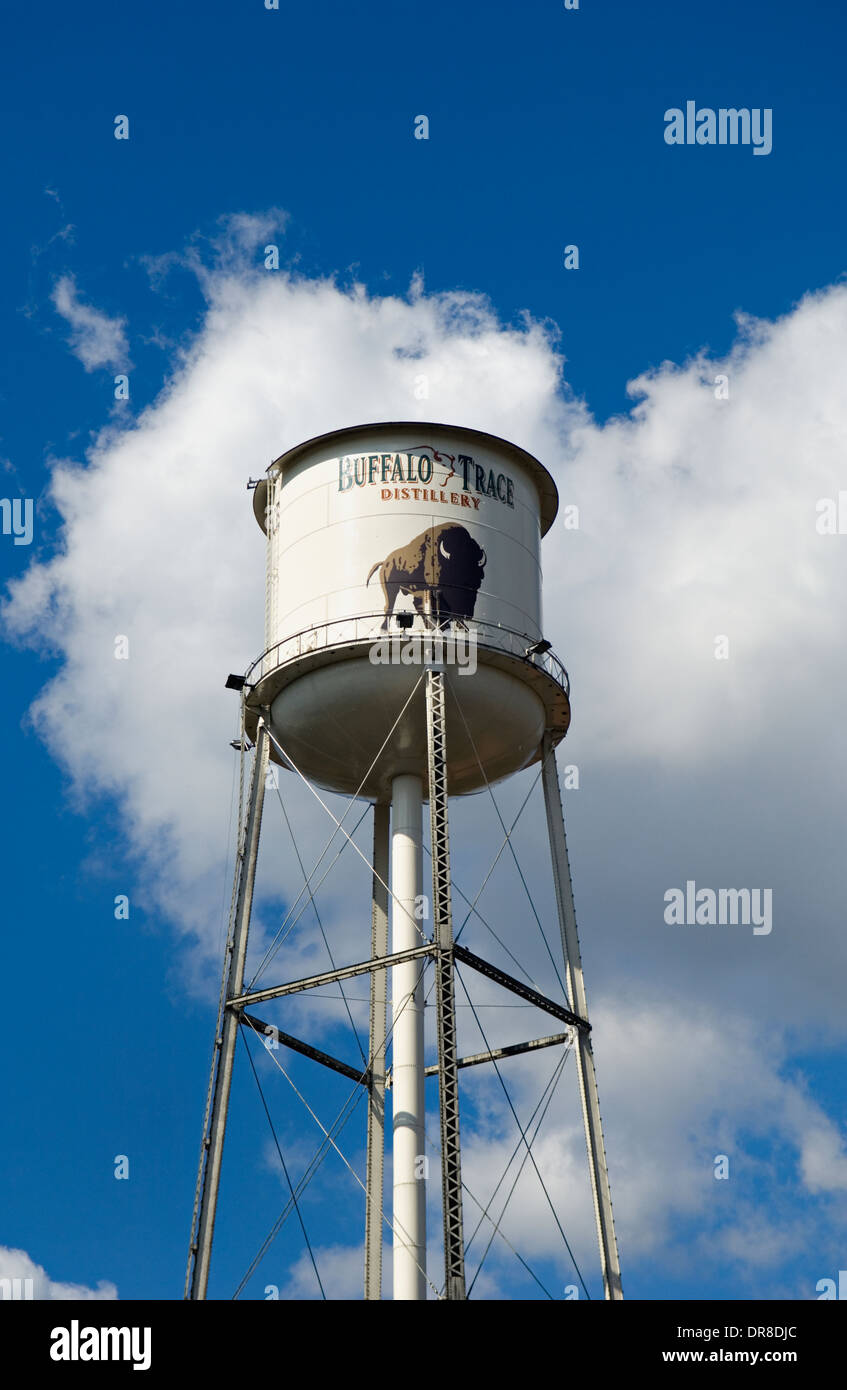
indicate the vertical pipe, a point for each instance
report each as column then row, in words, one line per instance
column 584, row 1055
column 407, row 1071
column 225, row 1043
column 376, row 1054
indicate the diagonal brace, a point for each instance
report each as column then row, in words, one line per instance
column 493, row 972
column 330, row 977
column 513, row 1050
column 296, row 1045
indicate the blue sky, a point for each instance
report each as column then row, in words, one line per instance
column 546, row 129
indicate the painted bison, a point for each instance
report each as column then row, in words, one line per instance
column 442, row 569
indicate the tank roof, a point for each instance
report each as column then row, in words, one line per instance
column 547, row 491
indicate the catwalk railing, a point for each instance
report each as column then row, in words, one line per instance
column 367, row 627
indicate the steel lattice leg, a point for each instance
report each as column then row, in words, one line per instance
column 448, row 1073
column 213, row 1144
column 583, row 1051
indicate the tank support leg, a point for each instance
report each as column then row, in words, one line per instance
column 228, row 1024
column 448, row 1072
column 584, row 1055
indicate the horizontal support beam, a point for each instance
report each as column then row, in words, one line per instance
column 492, row 972
column 511, row 1051
column 276, row 1034
column 330, row 977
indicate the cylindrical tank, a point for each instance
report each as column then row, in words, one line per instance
column 380, row 537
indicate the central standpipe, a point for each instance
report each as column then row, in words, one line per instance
column 376, row 1053
column 407, row 1071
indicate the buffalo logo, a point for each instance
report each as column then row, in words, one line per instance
column 442, row 569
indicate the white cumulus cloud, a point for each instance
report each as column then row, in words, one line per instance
column 696, row 521
column 36, row 1283
column 95, row 338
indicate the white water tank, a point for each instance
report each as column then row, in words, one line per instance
column 379, row 537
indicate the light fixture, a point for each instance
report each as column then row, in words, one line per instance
column 539, row 648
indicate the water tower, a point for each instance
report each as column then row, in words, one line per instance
column 404, row 660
